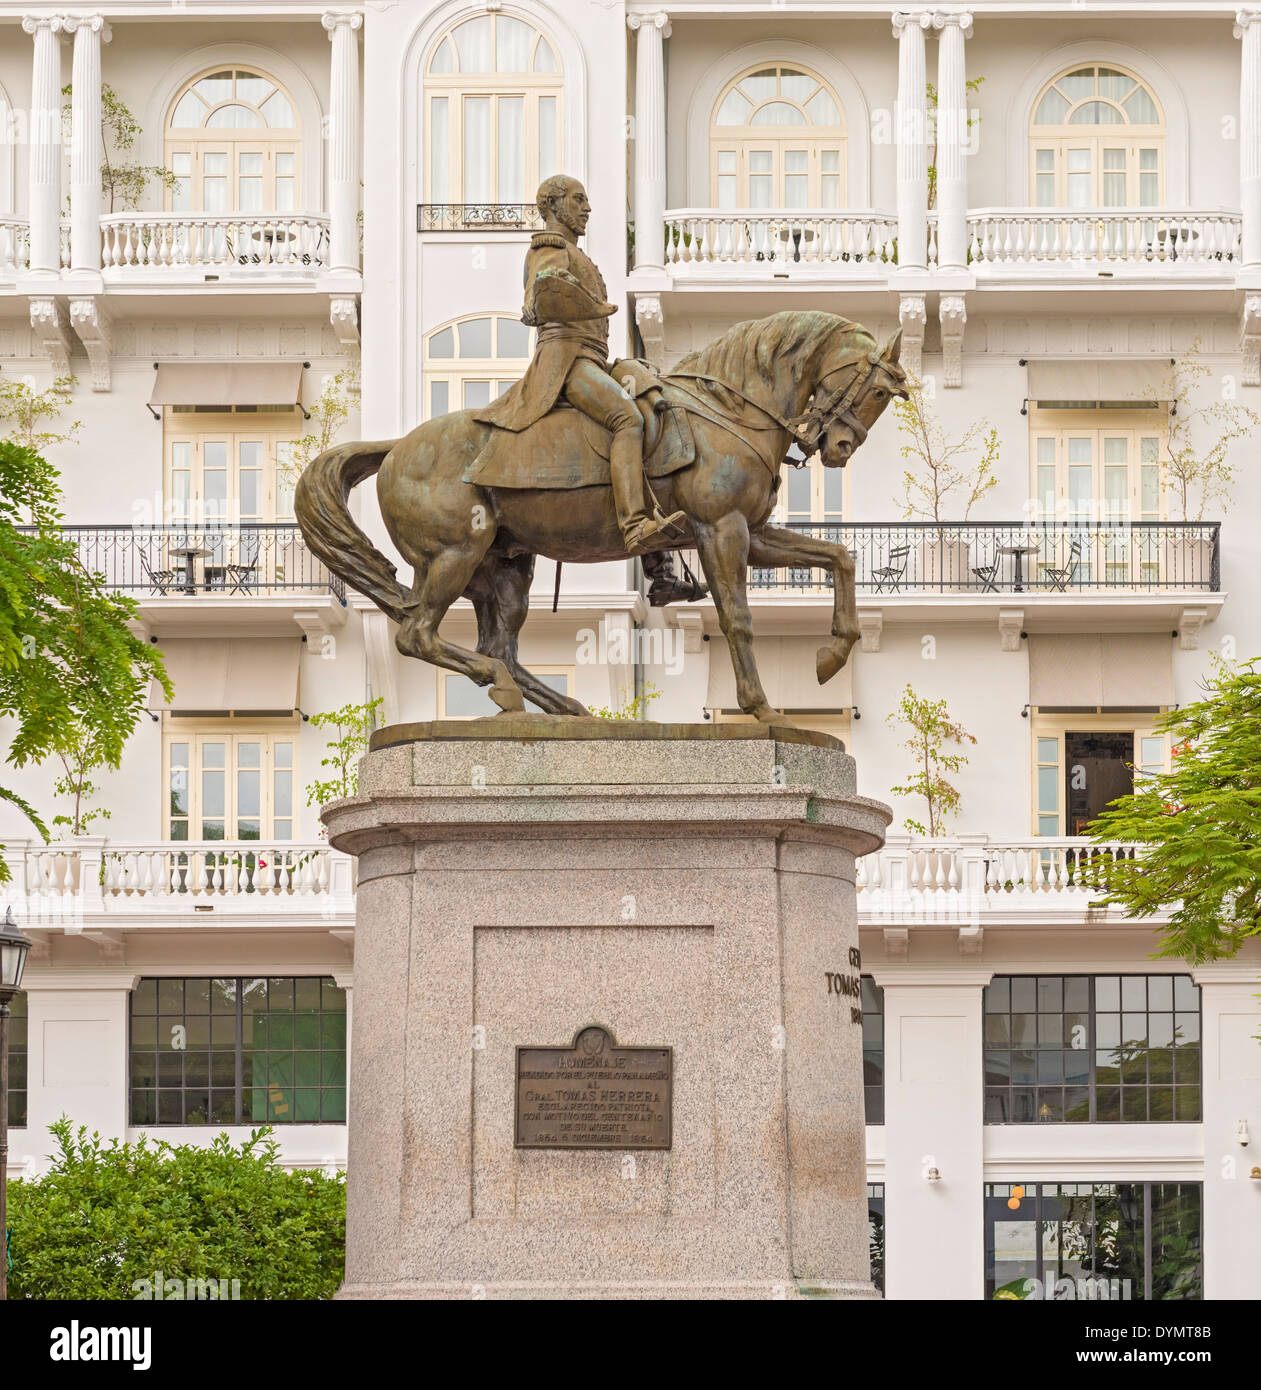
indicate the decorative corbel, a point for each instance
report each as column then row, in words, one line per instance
column 1011, row 622
column 343, row 313
column 871, row 626
column 650, row 320
column 913, row 318
column 1250, row 340
column 971, row 938
column 52, row 331
column 91, row 323
column 953, row 314
column 1190, row 621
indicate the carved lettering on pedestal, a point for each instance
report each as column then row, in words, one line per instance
column 849, row 985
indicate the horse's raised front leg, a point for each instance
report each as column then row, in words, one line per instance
column 775, row 546
column 440, row 579
column 724, row 550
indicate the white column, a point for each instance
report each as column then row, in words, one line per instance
column 650, row 138
column 952, row 138
column 1248, row 28
column 90, row 31
column 910, row 131
column 343, row 142
column 44, row 136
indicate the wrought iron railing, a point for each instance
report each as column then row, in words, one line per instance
column 477, row 217
column 245, row 559
column 1011, row 557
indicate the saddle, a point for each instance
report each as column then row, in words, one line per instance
column 567, row 449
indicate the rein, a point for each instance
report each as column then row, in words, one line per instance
column 805, row 430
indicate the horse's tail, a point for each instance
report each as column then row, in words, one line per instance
column 319, row 503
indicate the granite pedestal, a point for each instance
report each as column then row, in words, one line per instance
column 683, row 886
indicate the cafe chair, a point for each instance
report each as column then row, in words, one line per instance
column 891, row 574
column 1060, row 579
column 988, row 575
column 160, row 581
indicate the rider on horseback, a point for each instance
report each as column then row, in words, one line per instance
column 565, row 300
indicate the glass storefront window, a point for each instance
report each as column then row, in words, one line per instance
column 1083, row 1049
column 1118, row 1242
column 238, row 1051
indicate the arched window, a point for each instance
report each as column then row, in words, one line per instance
column 233, row 141
column 1097, row 139
column 777, row 140
column 470, row 362
column 493, row 112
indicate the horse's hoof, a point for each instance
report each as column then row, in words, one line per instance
column 764, row 714
column 509, row 700
column 827, row 662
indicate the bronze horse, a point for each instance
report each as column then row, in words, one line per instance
column 809, row 378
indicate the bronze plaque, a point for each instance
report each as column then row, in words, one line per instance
column 593, row 1095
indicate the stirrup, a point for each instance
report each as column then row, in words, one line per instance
column 671, row 523
column 642, row 532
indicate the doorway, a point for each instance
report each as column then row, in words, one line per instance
column 1098, row 768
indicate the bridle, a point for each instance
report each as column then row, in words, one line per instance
column 807, row 429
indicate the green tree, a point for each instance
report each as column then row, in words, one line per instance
column 635, row 708
column 931, row 729
column 71, row 669
column 338, row 399
column 353, row 725
column 79, row 760
column 1198, row 456
column 1199, row 824
column 123, row 181
column 106, row 1216
column 26, row 414
column 940, row 470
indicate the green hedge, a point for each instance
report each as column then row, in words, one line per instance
column 107, row 1216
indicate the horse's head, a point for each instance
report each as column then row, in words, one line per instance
column 849, row 397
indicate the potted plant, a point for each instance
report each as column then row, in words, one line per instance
column 942, row 473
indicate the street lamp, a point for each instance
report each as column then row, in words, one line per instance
column 13, row 949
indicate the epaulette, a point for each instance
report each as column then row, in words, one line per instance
column 553, row 239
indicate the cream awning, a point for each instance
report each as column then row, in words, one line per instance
column 1132, row 670
column 1077, row 379
column 243, row 673
column 786, row 665
column 227, row 383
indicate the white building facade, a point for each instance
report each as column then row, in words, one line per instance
column 1048, row 1106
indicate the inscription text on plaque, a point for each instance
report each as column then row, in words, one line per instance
column 593, row 1095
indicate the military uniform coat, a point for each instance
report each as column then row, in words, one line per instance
column 560, row 345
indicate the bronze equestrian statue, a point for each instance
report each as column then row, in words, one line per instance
column 471, row 498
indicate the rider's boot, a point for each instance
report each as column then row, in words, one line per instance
column 666, row 586
column 630, row 495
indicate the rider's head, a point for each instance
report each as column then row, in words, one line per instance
column 563, row 202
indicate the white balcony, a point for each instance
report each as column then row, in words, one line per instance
column 14, row 249
column 857, row 247
column 232, row 246
column 831, row 243
column 1171, row 243
column 95, row 881
column 966, row 881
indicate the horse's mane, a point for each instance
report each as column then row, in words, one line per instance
column 762, row 344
